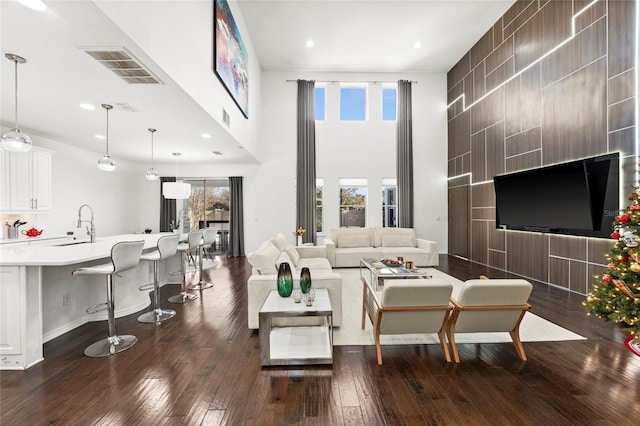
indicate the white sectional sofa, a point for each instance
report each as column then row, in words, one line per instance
column 265, row 262
column 347, row 246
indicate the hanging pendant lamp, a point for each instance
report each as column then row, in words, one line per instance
column 176, row 190
column 14, row 140
column 106, row 163
column 151, row 173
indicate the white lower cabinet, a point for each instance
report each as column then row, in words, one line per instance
column 20, row 317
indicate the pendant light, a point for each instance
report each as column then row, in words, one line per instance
column 14, row 140
column 176, row 190
column 106, row 163
column 151, row 173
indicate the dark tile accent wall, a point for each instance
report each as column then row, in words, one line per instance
column 521, row 112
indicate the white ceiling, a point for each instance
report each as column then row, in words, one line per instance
column 349, row 36
column 367, row 35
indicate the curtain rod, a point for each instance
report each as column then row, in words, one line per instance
column 355, row 81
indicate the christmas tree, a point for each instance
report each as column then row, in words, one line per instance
column 616, row 294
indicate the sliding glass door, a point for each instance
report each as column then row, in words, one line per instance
column 208, row 207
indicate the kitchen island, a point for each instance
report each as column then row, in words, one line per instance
column 41, row 300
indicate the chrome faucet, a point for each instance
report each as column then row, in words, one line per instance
column 90, row 231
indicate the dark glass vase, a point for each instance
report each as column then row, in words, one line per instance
column 305, row 280
column 285, row 280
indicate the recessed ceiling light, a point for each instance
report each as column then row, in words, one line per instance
column 205, row 136
column 34, row 4
column 309, row 43
column 88, row 107
column 217, row 152
column 98, row 136
column 417, row 45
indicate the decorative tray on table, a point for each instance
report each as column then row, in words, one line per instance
column 392, row 263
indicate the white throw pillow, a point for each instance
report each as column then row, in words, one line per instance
column 264, row 259
column 355, row 240
column 293, row 254
column 280, row 241
column 398, row 241
column 284, row 258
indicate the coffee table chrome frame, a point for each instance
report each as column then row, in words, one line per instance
column 376, row 276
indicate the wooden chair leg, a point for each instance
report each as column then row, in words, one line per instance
column 443, row 344
column 515, row 336
column 454, row 348
column 378, row 349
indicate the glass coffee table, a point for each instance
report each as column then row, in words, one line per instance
column 296, row 345
column 375, row 272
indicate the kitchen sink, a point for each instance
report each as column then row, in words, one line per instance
column 72, row 243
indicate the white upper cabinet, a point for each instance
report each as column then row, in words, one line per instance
column 26, row 185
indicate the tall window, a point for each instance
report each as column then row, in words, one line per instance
column 208, row 205
column 389, row 202
column 353, row 103
column 319, row 207
column 389, row 103
column 319, row 103
column 353, row 202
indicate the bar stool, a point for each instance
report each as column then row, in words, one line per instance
column 167, row 247
column 124, row 255
column 193, row 242
column 208, row 237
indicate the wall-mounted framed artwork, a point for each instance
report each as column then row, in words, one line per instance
column 231, row 62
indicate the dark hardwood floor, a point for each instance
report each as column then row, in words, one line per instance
column 202, row 367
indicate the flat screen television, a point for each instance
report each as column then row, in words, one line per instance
column 577, row 198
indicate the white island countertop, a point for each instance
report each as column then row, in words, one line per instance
column 57, row 255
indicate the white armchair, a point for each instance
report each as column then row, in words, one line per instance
column 490, row 305
column 408, row 307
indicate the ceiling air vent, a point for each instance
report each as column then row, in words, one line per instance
column 217, row 152
column 125, row 107
column 123, row 64
column 225, row 117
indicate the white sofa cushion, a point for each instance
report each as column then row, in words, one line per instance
column 284, row 258
column 354, row 240
column 379, row 233
column 264, row 259
column 280, row 242
column 315, row 264
column 293, row 254
column 398, row 241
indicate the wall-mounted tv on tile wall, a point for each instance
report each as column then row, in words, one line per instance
column 576, row 198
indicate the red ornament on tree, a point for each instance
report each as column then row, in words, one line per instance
column 607, row 278
column 635, row 207
column 624, row 218
column 615, row 235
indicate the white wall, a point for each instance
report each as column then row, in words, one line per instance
column 113, row 196
column 185, row 54
column 348, row 150
column 124, row 201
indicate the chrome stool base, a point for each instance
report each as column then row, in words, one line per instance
column 183, row 297
column 200, row 286
column 157, row 315
column 110, row 346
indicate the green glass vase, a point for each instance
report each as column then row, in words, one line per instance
column 285, row 280
column 305, row 280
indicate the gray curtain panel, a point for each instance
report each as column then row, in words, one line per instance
column 405, row 156
column 167, row 207
column 306, row 171
column 236, row 214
